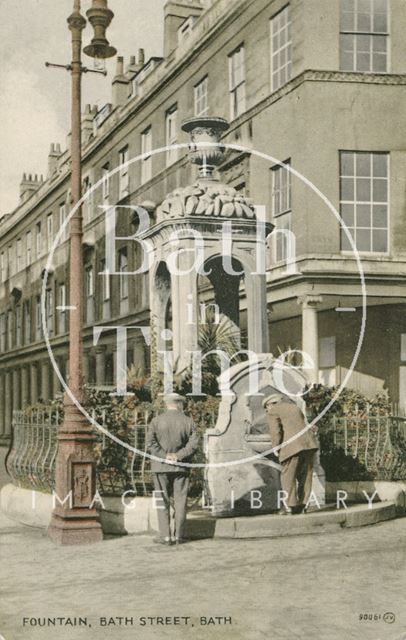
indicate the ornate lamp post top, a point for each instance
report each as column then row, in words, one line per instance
column 100, row 17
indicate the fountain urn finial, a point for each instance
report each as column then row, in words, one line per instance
column 206, row 130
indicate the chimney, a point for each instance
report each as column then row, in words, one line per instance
column 87, row 122
column 53, row 157
column 141, row 58
column 175, row 14
column 120, row 84
column 29, row 185
column 135, row 65
column 132, row 66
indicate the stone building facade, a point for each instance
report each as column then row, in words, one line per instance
column 318, row 86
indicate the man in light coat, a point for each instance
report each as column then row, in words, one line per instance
column 172, row 437
column 296, row 456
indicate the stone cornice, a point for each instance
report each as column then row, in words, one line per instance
column 242, row 228
column 311, row 75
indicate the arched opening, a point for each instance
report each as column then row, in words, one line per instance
column 220, row 299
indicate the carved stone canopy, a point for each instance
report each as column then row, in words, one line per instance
column 206, row 198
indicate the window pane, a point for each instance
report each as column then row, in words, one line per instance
column 379, row 63
column 347, row 214
column 363, row 190
column 380, row 216
column 380, row 165
column 347, row 42
column 380, row 23
column 380, row 191
column 379, row 44
column 283, row 76
column 348, row 5
column 363, row 164
column 347, row 21
column 363, row 215
column 345, row 243
column 364, row 22
column 346, row 61
column 347, row 189
column 363, row 44
column 380, row 6
column 364, row 6
column 363, row 62
column 347, row 164
column 363, row 240
column 380, row 241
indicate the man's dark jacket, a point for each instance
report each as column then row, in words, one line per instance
column 285, row 421
column 172, row 432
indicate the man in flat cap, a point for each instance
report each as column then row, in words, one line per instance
column 172, row 437
column 286, row 421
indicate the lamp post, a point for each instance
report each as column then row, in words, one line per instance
column 74, row 518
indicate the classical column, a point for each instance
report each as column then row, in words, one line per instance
column 34, row 383
column 25, row 387
column 100, row 366
column 16, row 390
column 310, row 333
column 2, row 416
column 45, row 390
column 185, row 309
column 257, row 318
column 8, row 405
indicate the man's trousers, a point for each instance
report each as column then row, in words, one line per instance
column 169, row 486
column 297, row 478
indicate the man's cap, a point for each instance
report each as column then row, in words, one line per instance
column 273, row 398
column 173, row 397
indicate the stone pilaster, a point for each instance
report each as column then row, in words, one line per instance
column 34, row 383
column 100, row 366
column 25, row 387
column 45, row 390
column 8, row 404
column 16, row 389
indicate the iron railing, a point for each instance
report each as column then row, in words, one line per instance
column 378, row 443
column 31, row 458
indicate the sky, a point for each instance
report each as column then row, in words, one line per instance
column 34, row 100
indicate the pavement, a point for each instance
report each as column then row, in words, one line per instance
column 312, row 587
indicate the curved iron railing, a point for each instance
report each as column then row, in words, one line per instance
column 378, row 443
column 32, row 454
